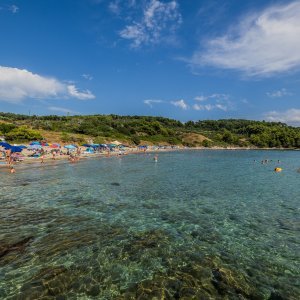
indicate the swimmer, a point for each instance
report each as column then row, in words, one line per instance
column 12, row 170
column 155, row 158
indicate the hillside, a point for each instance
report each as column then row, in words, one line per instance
column 148, row 130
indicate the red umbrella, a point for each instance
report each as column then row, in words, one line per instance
column 55, row 146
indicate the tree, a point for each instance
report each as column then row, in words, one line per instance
column 23, row 133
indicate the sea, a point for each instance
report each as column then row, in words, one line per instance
column 196, row 224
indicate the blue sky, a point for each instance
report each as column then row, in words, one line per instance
column 182, row 59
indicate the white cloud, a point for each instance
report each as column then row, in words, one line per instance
column 87, row 76
column 209, row 107
column 262, row 44
column 13, row 8
column 19, row 84
column 114, row 7
column 150, row 102
column 159, row 20
column 200, row 98
column 221, row 107
column 180, row 103
column 217, row 97
column 62, row 110
column 278, row 94
column 217, row 101
column 85, row 95
column 290, row 116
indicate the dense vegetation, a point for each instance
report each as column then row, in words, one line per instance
column 157, row 130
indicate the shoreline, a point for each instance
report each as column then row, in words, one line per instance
column 61, row 159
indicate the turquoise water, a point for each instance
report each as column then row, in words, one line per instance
column 195, row 225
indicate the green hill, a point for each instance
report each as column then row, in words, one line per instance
column 150, row 130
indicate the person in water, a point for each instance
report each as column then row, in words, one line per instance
column 12, row 170
column 155, row 158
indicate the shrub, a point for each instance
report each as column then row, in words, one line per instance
column 23, row 134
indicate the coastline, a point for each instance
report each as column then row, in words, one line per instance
column 62, row 159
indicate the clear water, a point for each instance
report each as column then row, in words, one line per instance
column 195, row 225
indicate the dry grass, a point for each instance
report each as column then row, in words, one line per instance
column 194, row 138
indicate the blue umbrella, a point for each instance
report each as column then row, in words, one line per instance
column 15, row 149
column 95, row 146
column 5, row 145
column 22, row 146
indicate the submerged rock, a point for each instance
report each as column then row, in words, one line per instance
column 18, row 246
column 115, row 183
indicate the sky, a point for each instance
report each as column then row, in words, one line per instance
column 181, row 59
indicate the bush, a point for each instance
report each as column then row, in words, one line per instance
column 23, row 134
column 6, row 127
column 136, row 140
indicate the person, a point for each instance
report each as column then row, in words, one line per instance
column 8, row 156
column 42, row 158
column 12, row 170
column 155, row 158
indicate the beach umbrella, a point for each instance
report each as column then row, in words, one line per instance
column 35, row 143
column 34, row 147
column 45, row 144
column 95, row 145
column 5, row 145
column 86, row 145
column 70, row 147
column 22, row 146
column 55, row 145
column 15, row 149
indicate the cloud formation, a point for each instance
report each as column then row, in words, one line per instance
column 180, row 103
column 263, row 44
column 87, row 76
column 217, row 97
column 279, row 94
column 75, row 93
column 114, row 7
column 19, row 84
column 217, row 101
column 290, row 116
column 150, row 102
column 159, row 20
column 209, row 107
column 13, row 8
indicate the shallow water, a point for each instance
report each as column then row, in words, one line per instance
column 195, row 225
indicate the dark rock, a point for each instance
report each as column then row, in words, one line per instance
column 115, row 183
column 275, row 296
column 217, row 274
column 18, row 246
